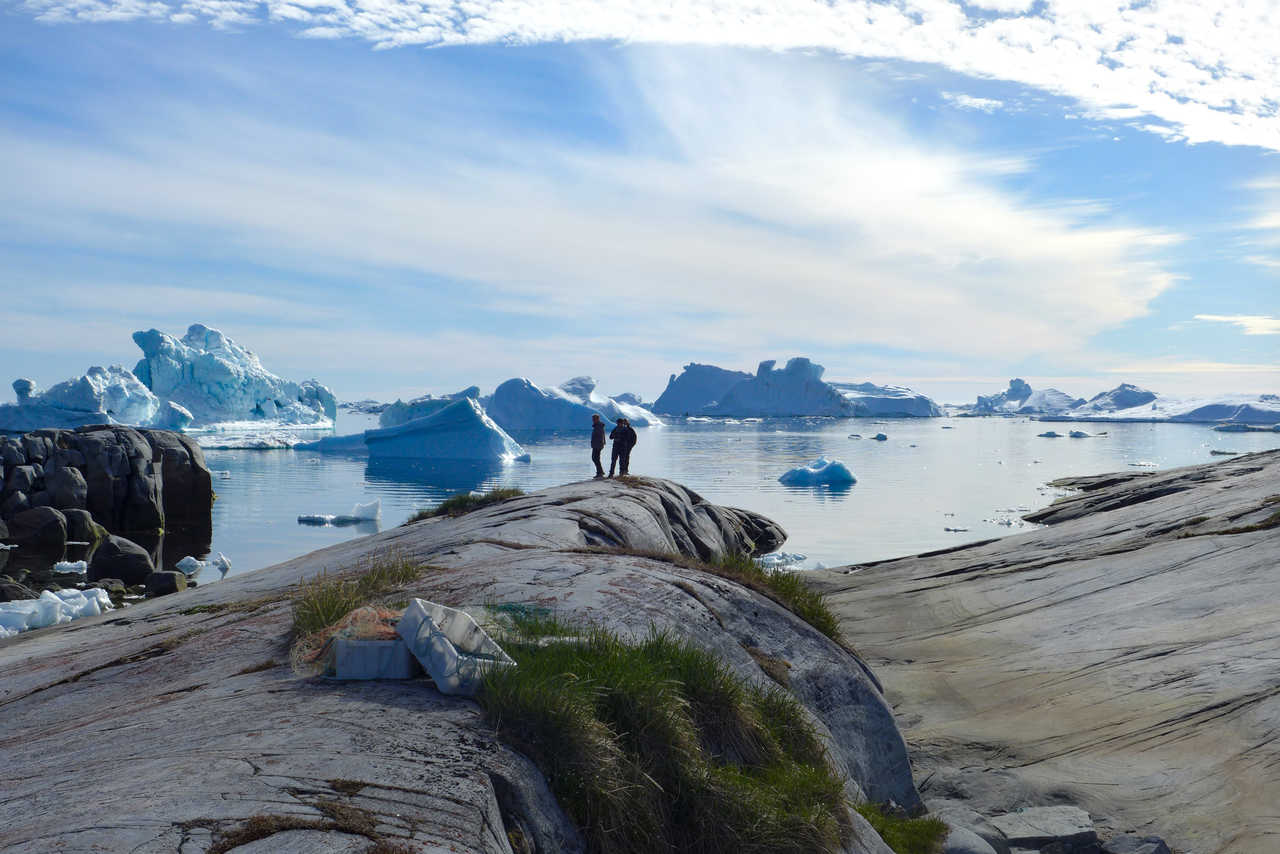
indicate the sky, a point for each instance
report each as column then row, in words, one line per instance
column 406, row 197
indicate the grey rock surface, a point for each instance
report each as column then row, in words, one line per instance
column 962, row 841
column 1130, row 844
column 103, row 693
column 1067, row 828
column 1122, row 658
column 67, row 489
column 40, row 529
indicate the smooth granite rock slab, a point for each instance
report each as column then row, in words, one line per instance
column 159, row 727
column 1037, row 827
column 1123, row 658
column 1130, row 844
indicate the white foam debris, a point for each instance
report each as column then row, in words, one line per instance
column 80, row 567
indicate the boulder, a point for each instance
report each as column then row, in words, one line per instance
column 41, row 529
column 117, row 557
column 124, row 484
column 1130, row 844
column 957, row 815
column 1067, row 828
column 14, row 504
column 67, row 489
column 962, row 841
column 187, row 483
column 111, row 585
column 82, row 529
column 11, row 591
column 164, row 583
column 11, row 452
column 21, row 479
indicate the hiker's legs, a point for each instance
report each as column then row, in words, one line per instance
column 613, row 460
column 595, row 458
column 625, row 461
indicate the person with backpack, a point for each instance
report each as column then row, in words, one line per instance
column 624, row 438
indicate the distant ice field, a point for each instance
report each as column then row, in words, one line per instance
column 976, row 479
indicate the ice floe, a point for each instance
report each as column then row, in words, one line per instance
column 821, row 471
column 51, row 609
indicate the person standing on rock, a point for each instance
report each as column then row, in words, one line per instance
column 597, row 442
column 624, row 439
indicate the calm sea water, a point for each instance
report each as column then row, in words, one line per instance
column 980, row 475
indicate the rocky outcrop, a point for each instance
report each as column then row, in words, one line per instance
column 1121, row 658
column 117, row 557
column 420, row 767
column 61, row 487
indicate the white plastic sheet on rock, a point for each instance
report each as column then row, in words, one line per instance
column 451, row 646
column 50, row 609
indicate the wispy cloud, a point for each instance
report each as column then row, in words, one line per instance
column 971, row 102
column 1250, row 324
column 1203, row 71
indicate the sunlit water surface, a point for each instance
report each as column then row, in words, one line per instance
column 980, row 475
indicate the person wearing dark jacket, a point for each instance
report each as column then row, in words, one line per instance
column 624, row 439
column 597, row 443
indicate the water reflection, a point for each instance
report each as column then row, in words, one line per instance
column 441, row 475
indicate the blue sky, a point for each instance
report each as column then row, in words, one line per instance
column 393, row 206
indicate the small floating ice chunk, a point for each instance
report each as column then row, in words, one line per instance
column 224, row 475
column 316, row 519
column 955, row 530
column 80, row 567
column 819, row 471
column 368, row 512
column 880, row 437
column 855, row 435
column 1144, row 464
column 1080, row 434
column 1049, row 434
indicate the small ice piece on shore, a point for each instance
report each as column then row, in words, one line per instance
column 778, row 560
column 1049, row 434
column 50, row 609
column 80, row 567
column 190, row 565
column 1080, row 434
column 819, row 471
column 880, row 437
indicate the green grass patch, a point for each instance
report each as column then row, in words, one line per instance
column 788, row 589
column 463, row 503
column 657, row 746
column 325, row 599
column 906, row 835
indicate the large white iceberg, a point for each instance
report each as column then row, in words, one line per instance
column 1020, row 399
column 1127, row 402
column 821, row 471
column 217, row 380
column 583, row 390
column 52, row 608
column 797, row 389
column 1123, row 396
column 459, row 432
column 110, row 395
column 696, row 388
column 520, row 404
column 400, row 411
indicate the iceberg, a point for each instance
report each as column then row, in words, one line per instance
column 110, row 395
column 796, row 389
column 821, row 471
column 1020, row 399
column 520, row 404
column 583, row 390
column 696, row 388
column 51, row 609
column 1130, row 403
column 1049, row 434
column 217, row 380
column 400, row 412
column 460, row 431
column 887, row 401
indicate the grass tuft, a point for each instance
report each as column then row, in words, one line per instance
column 325, row 599
column 657, row 746
column 463, row 503
column 906, row 835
